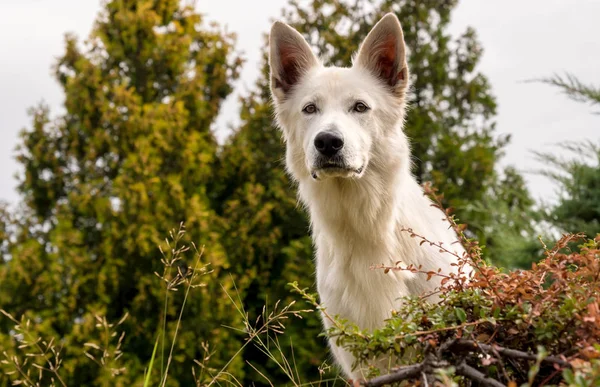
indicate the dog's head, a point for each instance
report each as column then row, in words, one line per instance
column 334, row 119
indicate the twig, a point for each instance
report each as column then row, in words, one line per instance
column 551, row 376
column 425, row 369
column 498, row 358
column 466, row 370
column 513, row 353
column 500, row 362
column 404, row 373
column 444, row 329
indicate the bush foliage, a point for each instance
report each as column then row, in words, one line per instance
column 522, row 327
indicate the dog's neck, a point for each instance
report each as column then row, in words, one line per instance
column 349, row 206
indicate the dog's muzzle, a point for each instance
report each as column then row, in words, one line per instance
column 329, row 160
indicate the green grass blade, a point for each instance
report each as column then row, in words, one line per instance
column 147, row 379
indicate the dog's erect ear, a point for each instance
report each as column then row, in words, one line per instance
column 290, row 58
column 383, row 53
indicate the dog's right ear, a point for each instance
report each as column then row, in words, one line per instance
column 290, row 57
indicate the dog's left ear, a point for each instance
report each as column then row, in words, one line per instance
column 383, row 53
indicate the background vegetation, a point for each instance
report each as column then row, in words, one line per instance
column 135, row 154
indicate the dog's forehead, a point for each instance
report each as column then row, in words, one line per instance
column 336, row 81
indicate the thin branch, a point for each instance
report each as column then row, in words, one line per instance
column 500, row 362
column 444, row 329
column 513, row 353
column 431, row 363
column 466, row 370
column 404, row 373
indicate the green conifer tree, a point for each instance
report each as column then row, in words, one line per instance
column 577, row 175
column 104, row 183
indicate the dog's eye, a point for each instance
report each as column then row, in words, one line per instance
column 360, row 107
column 311, row 108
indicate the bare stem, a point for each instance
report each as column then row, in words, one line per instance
column 466, row 370
column 404, row 373
column 512, row 353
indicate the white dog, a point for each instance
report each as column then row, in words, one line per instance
column 346, row 149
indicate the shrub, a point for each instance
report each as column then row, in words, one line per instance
column 495, row 328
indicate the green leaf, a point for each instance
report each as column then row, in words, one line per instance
column 460, row 314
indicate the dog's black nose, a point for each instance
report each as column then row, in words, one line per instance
column 329, row 143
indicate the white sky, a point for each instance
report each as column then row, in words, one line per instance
column 521, row 39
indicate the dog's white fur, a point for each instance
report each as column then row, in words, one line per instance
column 357, row 211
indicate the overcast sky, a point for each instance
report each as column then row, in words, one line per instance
column 521, row 39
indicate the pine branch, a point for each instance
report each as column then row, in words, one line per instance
column 573, row 88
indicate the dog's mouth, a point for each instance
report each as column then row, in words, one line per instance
column 336, row 170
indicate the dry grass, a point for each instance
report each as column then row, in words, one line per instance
column 36, row 361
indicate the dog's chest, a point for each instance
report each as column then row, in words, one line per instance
column 358, row 293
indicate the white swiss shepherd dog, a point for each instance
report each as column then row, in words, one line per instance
column 346, row 149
